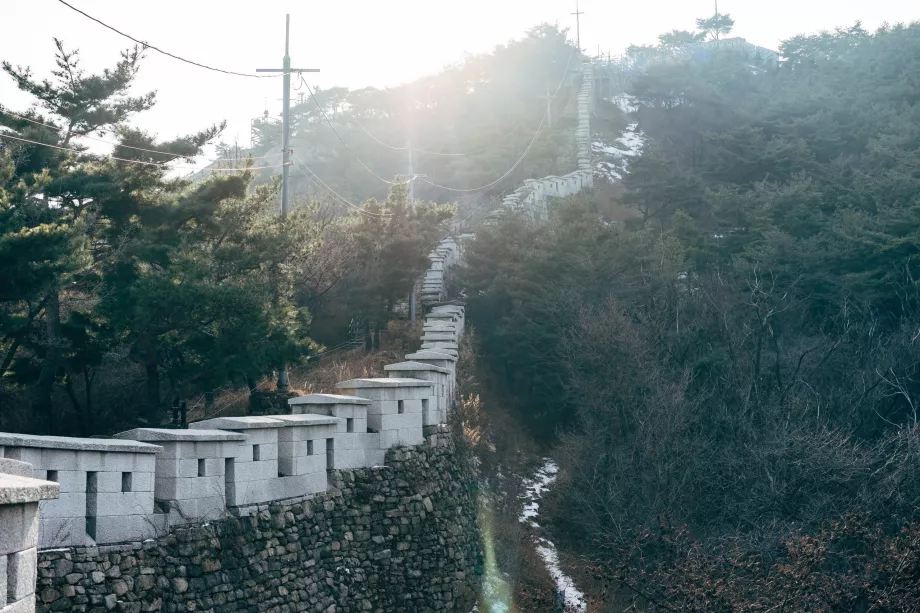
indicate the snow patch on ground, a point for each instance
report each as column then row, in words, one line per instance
column 632, row 139
column 612, row 159
column 625, row 102
column 534, row 489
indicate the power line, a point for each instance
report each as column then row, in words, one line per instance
column 496, row 181
column 112, row 157
column 332, row 191
column 523, row 155
column 394, row 148
column 457, row 224
column 167, row 53
column 100, row 140
column 326, row 117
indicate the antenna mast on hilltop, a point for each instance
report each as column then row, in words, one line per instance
column 578, row 15
column 717, row 8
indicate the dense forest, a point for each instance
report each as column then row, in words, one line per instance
column 730, row 377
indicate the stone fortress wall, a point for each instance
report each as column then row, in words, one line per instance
column 126, row 523
column 535, row 194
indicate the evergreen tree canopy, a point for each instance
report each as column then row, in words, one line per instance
column 816, row 154
column 716, row 26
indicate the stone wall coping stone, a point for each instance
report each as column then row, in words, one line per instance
column 449, row 352
column 426, row 354
column 448, row 309
column 328, row 399
column 308, row 419
column 444, row 346
column 449, row 303
column 79, row 444
column 10, row 466
column 19, row 490
column 382, row 382
column 246, row 422
column 170, row 434
column 406, row 366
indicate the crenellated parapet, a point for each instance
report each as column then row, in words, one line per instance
column 106, row 487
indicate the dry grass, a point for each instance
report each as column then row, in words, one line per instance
column 396, row 341
column 532, row 586
column 354, row 364
column 320, row 376
column 228, row 402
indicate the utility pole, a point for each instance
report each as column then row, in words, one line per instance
column 549, row 107
column 578, row 15
column 412, row 206
column 286, row 115
column 411, row 179
column 411, row 175
column 286, row 70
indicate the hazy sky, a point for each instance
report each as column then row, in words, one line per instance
column 357, row 42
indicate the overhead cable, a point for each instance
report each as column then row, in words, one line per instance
column 425, row 151
column 100, row 140
column 167, row 53
column 326, row 117
column 164, row 165
column 303, row 166
column 523, row 155
column 458, row 224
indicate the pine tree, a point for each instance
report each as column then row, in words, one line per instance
column 716, row 26
column 678, row 39
column 393, row 240
column 81, row 202
column 82, row 104
column 37, row 250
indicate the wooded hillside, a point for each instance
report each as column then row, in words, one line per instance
column 731, row 378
